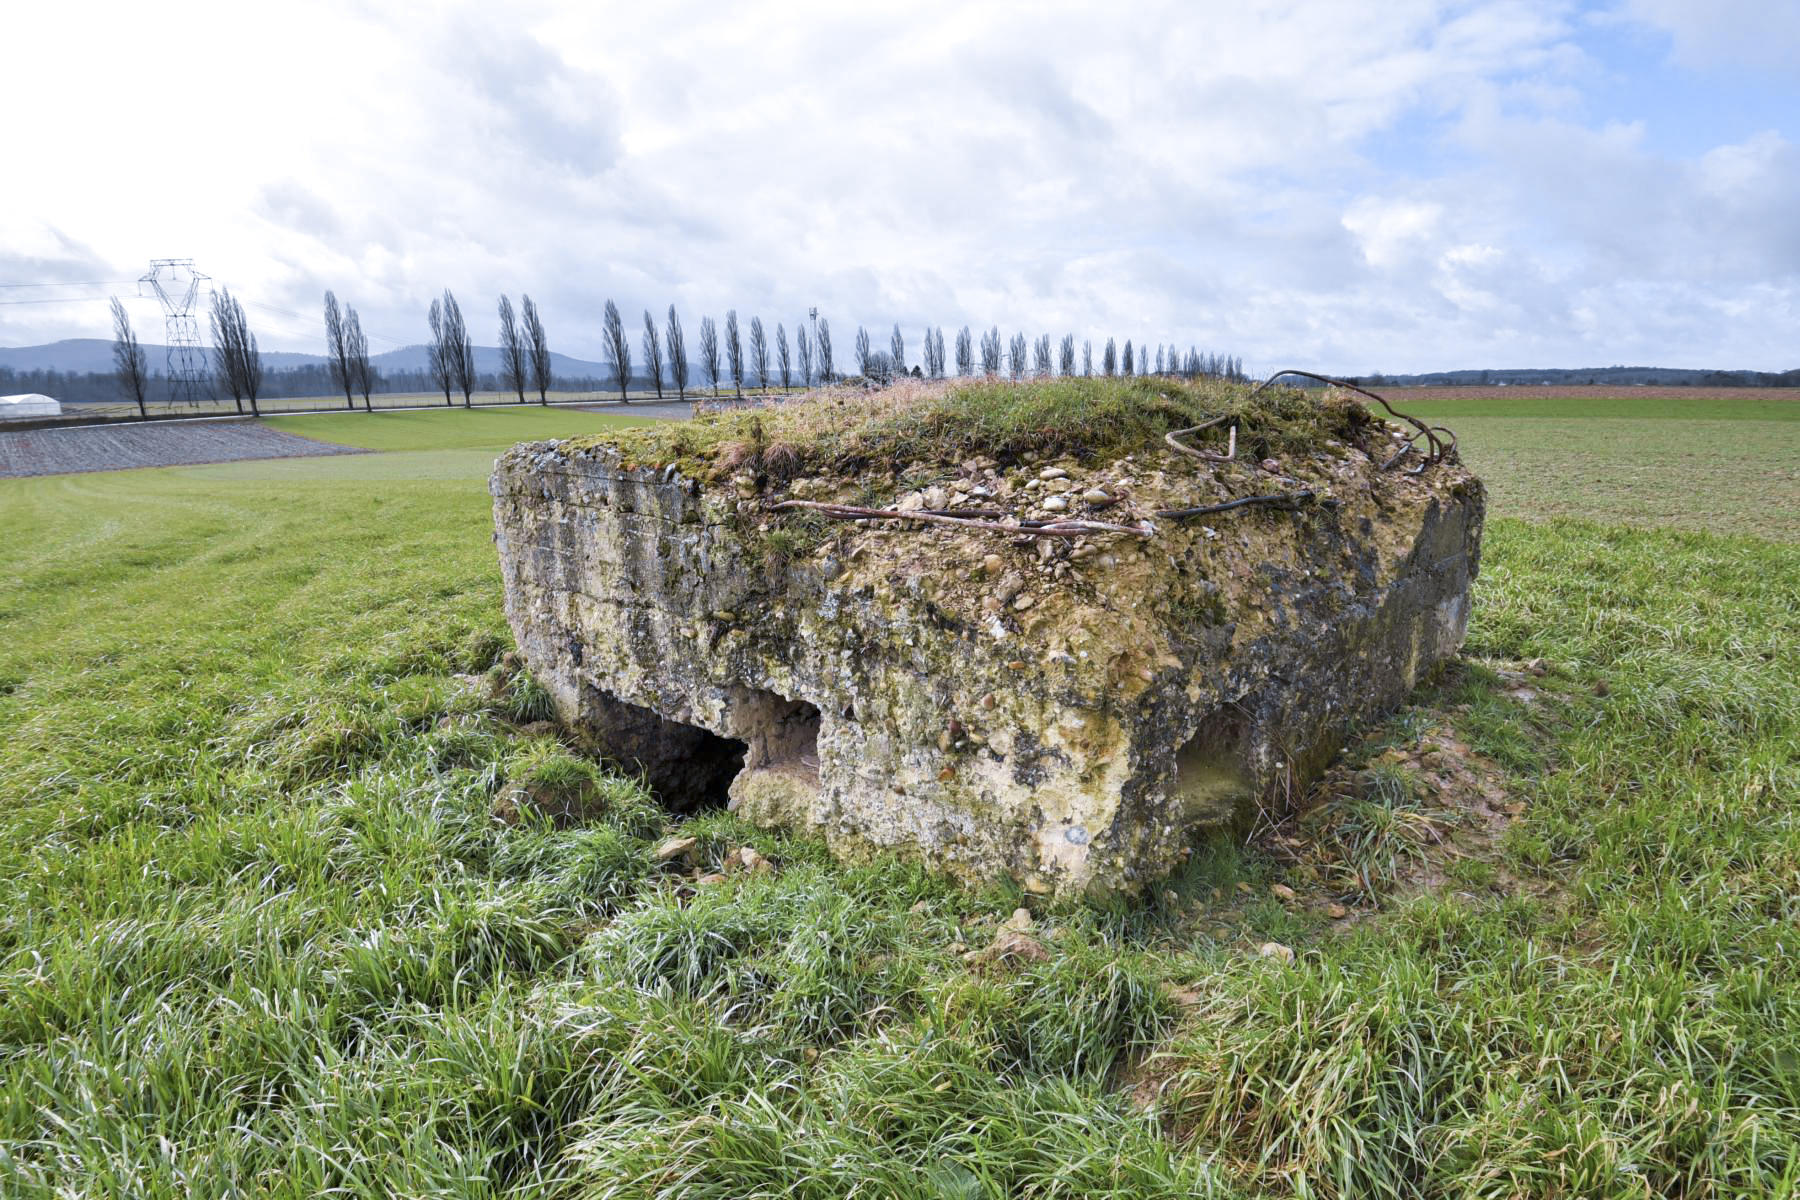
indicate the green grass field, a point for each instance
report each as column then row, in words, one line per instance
column 1722, row 464
column 261, row 932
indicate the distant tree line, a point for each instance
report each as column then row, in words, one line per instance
column 728, row 356
column 759, row 359
column 1616, row 376
column 1021, row 357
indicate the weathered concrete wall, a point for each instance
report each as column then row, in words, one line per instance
column 1062, row 714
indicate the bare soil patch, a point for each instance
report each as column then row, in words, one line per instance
column 171, row 444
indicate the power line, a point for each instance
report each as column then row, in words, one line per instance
column 59, row 300
column 87, row 283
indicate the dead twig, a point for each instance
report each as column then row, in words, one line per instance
column 1205, row 455
column 1067, row 528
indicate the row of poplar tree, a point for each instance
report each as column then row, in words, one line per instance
column 525, row 354
column 525, row 363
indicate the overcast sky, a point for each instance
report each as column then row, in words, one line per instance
column 1329, row 184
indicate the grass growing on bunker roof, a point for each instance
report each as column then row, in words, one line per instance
column 948, row 422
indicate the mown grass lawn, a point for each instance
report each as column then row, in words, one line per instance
column 262, row 933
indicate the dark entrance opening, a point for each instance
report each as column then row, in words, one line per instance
column 689, row 768
column 1210, row 783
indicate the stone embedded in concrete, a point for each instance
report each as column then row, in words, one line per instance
column 1066, row 716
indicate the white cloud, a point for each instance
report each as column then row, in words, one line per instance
column 1723, row 34
column 1393, row 231
column 1159, row 173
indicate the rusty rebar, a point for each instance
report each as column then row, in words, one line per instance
column 1440, row 449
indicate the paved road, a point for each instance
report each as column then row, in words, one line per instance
column 158, row 444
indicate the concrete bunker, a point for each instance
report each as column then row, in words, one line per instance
column 1050, row 654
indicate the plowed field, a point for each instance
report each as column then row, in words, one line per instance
column 167, row 444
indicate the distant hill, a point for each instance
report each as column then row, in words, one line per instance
column 1569, row 377
column 94, row 355
column 487, row 361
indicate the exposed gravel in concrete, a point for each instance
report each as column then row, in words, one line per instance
column 164, row 444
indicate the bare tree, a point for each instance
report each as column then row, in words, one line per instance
column 965, row 352
column 653, row 353
column 826, row 370
column 990, row 352
column 1159, row 358
column 1109, row 361
column 862, row 352
column 362, row 374
column 1018, row 354
column 803, row 346
column 1087, row 357
column 709, row 352
column 781, row 357
column 513, row 367
column 236, row 362
column 539, row 347
column 734, row 351
column 759, row 353
column 129, row 359
column 617, row 348
column 1066, row 359
column 439, row 351
column 337, row 350
column 1127, row 371
column 1040, row 355
column 455, row 351
column 897, row 347
column 678, row 363
column 463, row 348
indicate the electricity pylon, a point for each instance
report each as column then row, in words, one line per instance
column 177, row 285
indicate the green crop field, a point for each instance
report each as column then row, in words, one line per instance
column 1721, row 461
column 285, row 908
